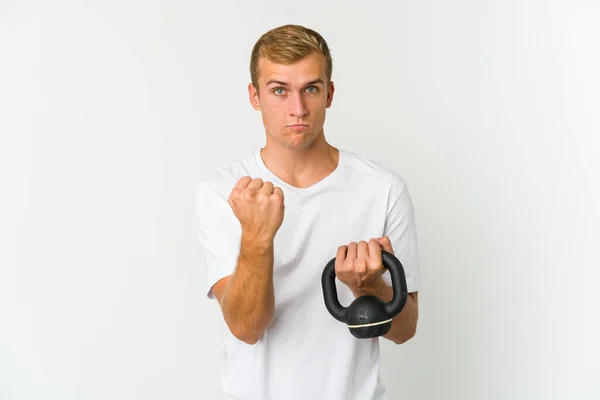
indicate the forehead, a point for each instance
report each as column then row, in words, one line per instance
column 309, row 68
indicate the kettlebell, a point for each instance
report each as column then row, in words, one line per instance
column 367, row 316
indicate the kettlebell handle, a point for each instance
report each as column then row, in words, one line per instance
column 392, row 308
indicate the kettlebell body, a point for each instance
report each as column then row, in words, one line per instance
column 367, row 316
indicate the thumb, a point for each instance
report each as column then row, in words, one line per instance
column 385, row 243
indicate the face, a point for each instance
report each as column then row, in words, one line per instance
column 292, row 100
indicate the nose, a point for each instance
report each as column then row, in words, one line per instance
column 297, row 106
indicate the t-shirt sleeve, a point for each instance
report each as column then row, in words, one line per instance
column 218, row 232
column 400, row 227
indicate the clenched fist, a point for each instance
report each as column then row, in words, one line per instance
column 359, row 264
column 258, row 206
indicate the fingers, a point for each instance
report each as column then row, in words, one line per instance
column 277, row 190
column 386, row 244
column 249, row 183
column 341, row 255
column 352, row 251
column 256, row 184
column 243, row 182
column 363, row 250
column 267, row 188
column 357, row 264
column 369, row 250
column 259, row 185
column 358, row 257
column 374, row 251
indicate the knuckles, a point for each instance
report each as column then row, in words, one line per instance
column 356, row 264
column 261, row 197
column 257, row 194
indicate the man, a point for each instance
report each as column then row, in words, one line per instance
column 270, row 222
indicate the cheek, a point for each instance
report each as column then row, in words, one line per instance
column 318, row 104
column 272, row 114
column 317, row 109
column 274, row 109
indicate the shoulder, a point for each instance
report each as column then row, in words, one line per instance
column 377, row 171
column 219, row 182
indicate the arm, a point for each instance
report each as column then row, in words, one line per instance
column 360, row 267
column 404, row 325
column 246, row 297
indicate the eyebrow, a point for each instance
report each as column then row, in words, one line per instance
column 271, row 81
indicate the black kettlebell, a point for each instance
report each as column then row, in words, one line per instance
column 367, row 316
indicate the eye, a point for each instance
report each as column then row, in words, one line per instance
column 312, row 89
column 278, row 91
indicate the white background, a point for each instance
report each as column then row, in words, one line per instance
column 110, row 110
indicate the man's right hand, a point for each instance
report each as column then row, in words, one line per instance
column 259, row 206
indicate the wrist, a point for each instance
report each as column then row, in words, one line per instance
column 374, row 288
column 256, row 242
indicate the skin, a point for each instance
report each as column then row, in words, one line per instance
column 360, row 267
column 293, row 100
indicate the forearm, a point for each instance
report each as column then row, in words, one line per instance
column 404, row 325
column 249, row 300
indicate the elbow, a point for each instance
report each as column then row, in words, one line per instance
column 248, row 339
column 250, row 335
column 409, row 330
column 409, row 334
column 250, row 329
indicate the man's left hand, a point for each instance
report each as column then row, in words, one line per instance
column 360, row 264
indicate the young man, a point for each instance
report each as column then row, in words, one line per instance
column 270, row 222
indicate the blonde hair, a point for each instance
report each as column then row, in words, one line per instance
column 287, row 44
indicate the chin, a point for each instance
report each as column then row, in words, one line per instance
column 303, row 145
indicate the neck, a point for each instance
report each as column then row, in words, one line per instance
column 301, row 167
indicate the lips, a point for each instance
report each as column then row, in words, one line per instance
column 298, row 128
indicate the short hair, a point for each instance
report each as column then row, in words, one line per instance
column 287, row 44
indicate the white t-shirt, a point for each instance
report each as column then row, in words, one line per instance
column 306, row 353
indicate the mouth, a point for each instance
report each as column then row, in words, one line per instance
column 298, row 127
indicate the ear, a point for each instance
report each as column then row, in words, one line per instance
column 253, row 95
column 330, row 90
